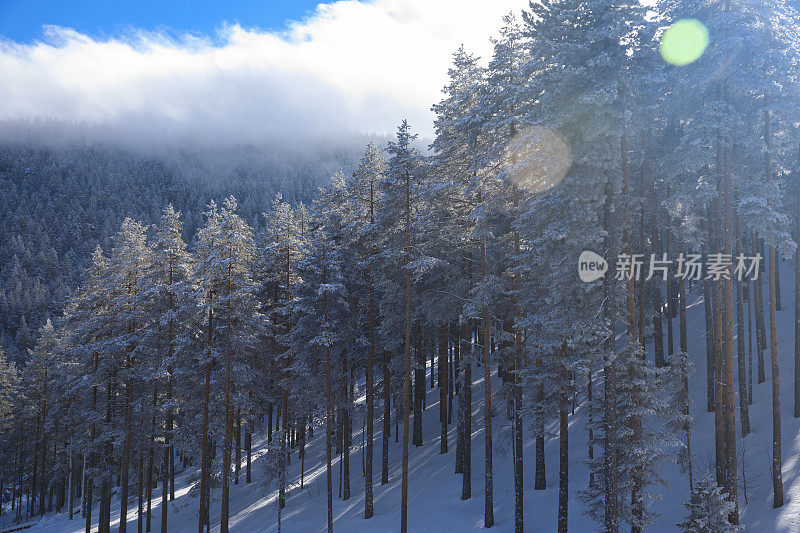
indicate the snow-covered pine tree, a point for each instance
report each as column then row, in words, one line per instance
column 709, row 509
column 397, row 215
column 322, row 331
column 168, row 301
column 361, row 236
column 127, row 267
column 508, row 97
column 285, row 246
column 456, row 160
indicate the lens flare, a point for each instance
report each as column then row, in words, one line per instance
column 684, row 42
column 538, row 159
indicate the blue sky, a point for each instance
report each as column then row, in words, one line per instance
column 22, row 20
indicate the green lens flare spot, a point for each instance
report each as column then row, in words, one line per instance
column 684, row 42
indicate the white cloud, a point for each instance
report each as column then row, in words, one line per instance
column 349, row 67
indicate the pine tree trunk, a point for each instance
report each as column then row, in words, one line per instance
column 248, row 444
column 670, row 300
column 88, row 484
column 710, row 343
column 748, row 297
column 237, row 465
column 466, row 462
column 228, row 416
column 637, row 500
column 459, row 463
column 71, row 493
column 719, row 332
column 205, row 460
column 419, row 388
column 643, row 245
column 727, row 318
column 761, row 336
column 540, row 480
column 610, row 455
column 302, row 437
column 488, row 520
column 150, row 453
column 685, row 378
column 126, row 453
column 140, row 486
column 518, row 368
column 797, row 310
column 658, row 329
column 443, row 379
column 164, row 481
column 778, row 305
column 270, row 410
column 407, row 368
column 387, row 419
column 563, row 447
column 451, row 366
column 777, row 480
column 284, row 435
column 744, row 413
column 347, row 426
column 328, row 429
column 368, row 498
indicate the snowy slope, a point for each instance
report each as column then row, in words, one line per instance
column 434, row 492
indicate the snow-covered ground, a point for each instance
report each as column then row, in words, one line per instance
column 434, row 490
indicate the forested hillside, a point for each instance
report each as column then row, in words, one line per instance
column 59, row 199
column 607, row 204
